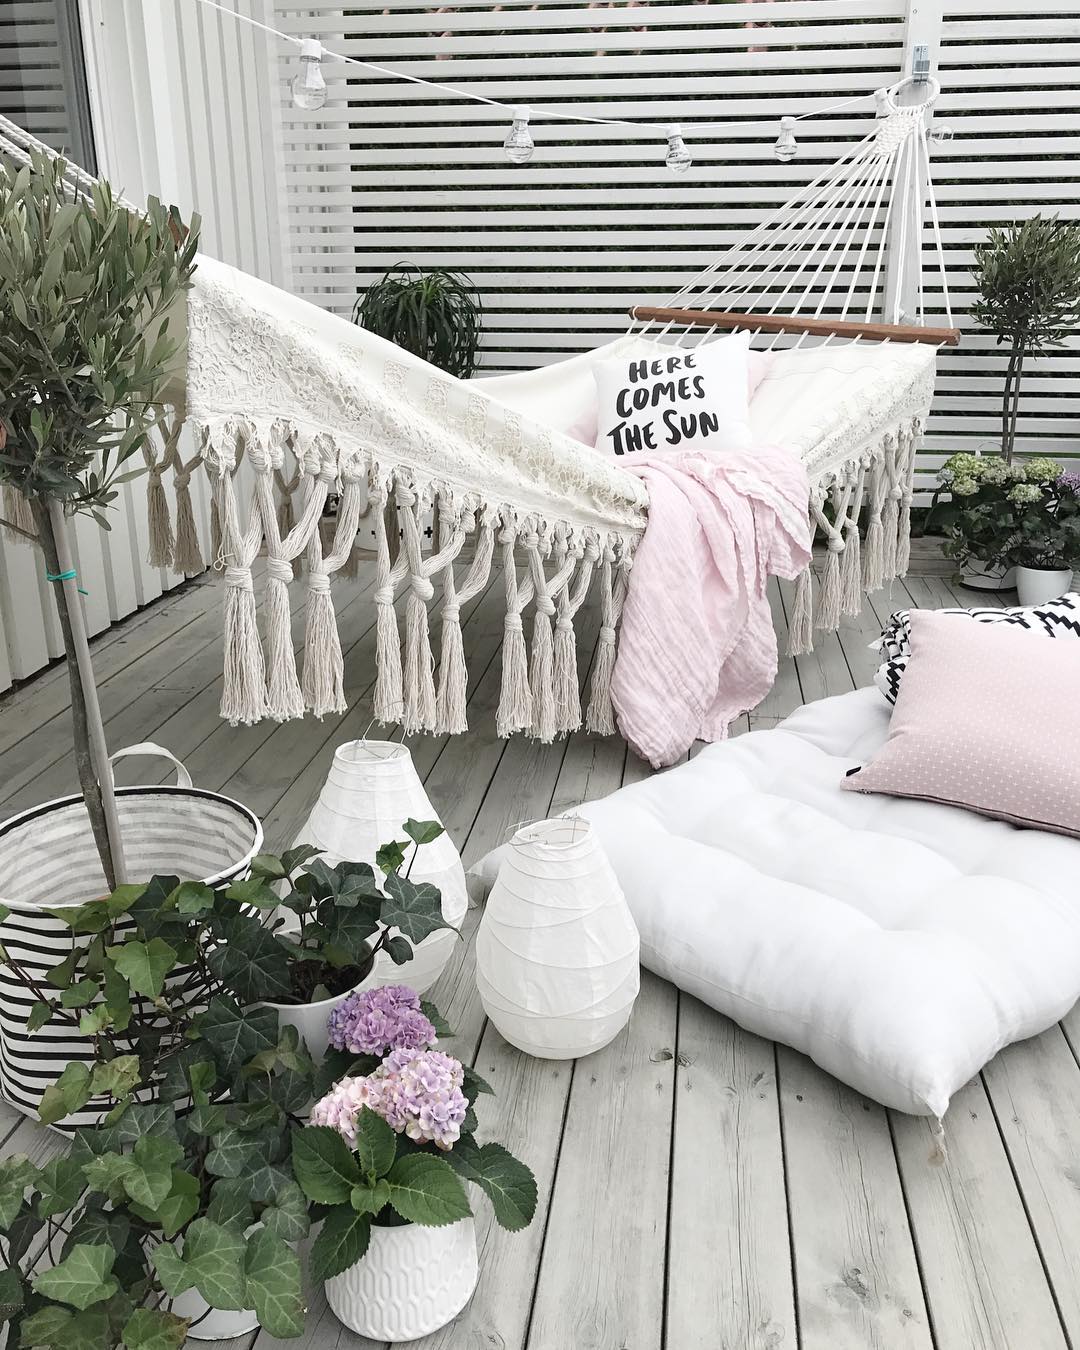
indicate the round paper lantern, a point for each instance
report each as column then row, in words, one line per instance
column 557, row 948
column 371, row 790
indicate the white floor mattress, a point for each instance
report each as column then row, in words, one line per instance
column 899, row 944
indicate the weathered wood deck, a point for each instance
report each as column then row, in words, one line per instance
column 700, row 1189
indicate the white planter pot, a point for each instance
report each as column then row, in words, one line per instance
column 979, row 576
column 411, row 1282
column 310, row 1019
column 371, row 790
column 1035, row 585
column 216, row 1324
column 557, row 948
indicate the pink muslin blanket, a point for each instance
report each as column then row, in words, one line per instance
column 697, row 646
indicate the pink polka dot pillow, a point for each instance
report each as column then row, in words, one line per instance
column 986, row 718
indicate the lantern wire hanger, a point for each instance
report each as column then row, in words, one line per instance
column 309, row 93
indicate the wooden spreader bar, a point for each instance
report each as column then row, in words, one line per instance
column 784, row 323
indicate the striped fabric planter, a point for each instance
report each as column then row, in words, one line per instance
column 48, row 861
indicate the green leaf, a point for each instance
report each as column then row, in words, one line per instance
column 426, row 1190
column 232, row 1152
column 235, row 1034
column 339, row 1064
column 509, row 1184
column 16, row 1173
column 376, row 1144
column 115, row 1077
column 251, row 963
column 254, row 891
column 272, row 1276
column 40, row 1014
column 193, row 898
column 391, row 856
column 297, row 856
column 79, row 995
column 415, row 909
column 107, row 1174
column 288, row 1216
column 47, row 1326
column 230, row 1203
column 423, row 831
column 180, row 1205
column 11, row 1295
column 474, row 1085
column 68, row 1094
column 324, row 1167
column 117, row 996
column 153, row 1329
column 82, row 1278
column 144, row 964
column 370, row 1199
column 442, row 1028
column 214, row 1257
column 398, row 949
column 341, row 1242
column 266, row 865
column 176, row 1278
column 60, row 1182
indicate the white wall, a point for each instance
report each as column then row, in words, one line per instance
column 182, row 108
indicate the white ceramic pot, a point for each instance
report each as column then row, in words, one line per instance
column 1035, row 585
column 310, row 1019
column 213, row 1324
column 557, row 948
column 978, row 576
column 411, row 1282
column 371, row 790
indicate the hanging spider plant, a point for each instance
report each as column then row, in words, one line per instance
column 435, row 315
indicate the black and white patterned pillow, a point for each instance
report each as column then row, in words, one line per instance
column 1055, row 618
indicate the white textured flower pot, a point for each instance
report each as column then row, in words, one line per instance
column 310, row 1019
column 557, row 948
column 213, row 1324
column 372, row 788
column 411, row 1282
column 1035, row 585
column 978, row 576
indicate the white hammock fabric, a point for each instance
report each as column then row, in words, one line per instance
column 290, row 404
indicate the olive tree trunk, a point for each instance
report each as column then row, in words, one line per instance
column 91, row 755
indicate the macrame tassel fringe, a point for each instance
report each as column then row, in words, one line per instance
column 453, row 675
column 515, row 696
column 419, row 681
column 388, row 704
column 801, row 624
column 160, row 550
column 565, row 680
column 243, row 697
column 324, row 667
column 874, row 556
column 215, row 530
column 903, row 540
column 600, row 715
column 851, row 575
column 541, row 674
column 187, row 554
column 890, row 521
column 829, row 599
column 351, row 566
column 284, row 699
column 17, row 511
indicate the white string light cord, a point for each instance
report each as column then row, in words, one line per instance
column 309, row 92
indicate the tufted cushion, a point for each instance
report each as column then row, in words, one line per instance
column 898, row 943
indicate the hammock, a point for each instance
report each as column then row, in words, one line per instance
column 291, row 406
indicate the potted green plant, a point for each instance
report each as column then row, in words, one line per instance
column 436, row 315
column 385, row 1156
column 1048, row 548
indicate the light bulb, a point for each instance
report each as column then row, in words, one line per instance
column 678, row 157
column 518, row 145
column 940, row 135
column 309, row 87
column 881, row 103
column 786, row 148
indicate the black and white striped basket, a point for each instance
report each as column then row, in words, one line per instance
column 48, row 860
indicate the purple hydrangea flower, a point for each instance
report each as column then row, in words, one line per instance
column 1069, row 482
column 373, row 1021
column 417, row 1092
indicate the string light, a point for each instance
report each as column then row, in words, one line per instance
column 519, row 143
column 786, row 147
column 940, row 135
column 678, row 157
column 309, row 87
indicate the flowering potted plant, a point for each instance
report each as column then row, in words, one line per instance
column 385, row 1156
column 1048, row 547
column 998, row 516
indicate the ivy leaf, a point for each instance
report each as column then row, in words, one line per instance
column 251, row 963
column 153, row 1329
column 254, row 891
column 415, row 909
column 214, row 1257
column 16, row 1173
column 193, row 898
column 47, row 1326
column 391, row 856
column 21, row 1232
column 376, row 1144
column 288, row 1216
column 323, row 1165
column 426, row 1190
column 508, row 1184
column 180, row 1205
column 108, row 1173
column 149, row 1180
column 169, row 1266
column 423, row 831
column 144, row 964
column 40, row 1014
column 82, row 1278
column 398, row 949
column 232, row 1152
column 117, row 995
column 236, row 1035
column 11, row 1295
column 60, row 1182
column 272, row 1276
column 230, row 1203
column 341, row 1242
column 115, row 1077
column 68, row 1094
column 79, row 995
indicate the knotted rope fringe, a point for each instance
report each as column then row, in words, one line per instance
column 567, row 687
column 851, row 598
column 600, row 716
column 515, row 697
column 323, row 680
column 243, row 695
column 388, row 701
column 545, row 725
column 420, row 710
column 801, row 622
column 895, row 453
column 874, row 552
column 450, row 702
column 159, row 551
column 903, row 529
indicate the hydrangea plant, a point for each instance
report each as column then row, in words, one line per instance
column 393, row 1140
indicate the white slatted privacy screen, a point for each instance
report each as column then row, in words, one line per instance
column 563, row 246
column 42, row 86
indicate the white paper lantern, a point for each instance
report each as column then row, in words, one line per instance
column 372, row 789
column 557, row 948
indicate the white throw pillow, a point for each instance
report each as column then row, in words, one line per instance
column 680, row 399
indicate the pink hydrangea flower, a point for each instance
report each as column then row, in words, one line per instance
column 373, row 1021
column 342, row 1105
column 417, row 1092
